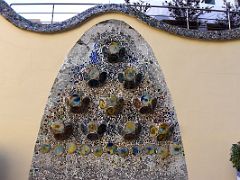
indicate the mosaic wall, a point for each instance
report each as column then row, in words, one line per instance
column 109, row 114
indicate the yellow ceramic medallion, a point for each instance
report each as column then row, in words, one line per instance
column 71, row 148
column 153, row 130
column 102, row 104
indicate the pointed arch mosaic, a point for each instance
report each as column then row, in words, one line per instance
column 109, row 114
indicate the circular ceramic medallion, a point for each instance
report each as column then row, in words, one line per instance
column 114, row 48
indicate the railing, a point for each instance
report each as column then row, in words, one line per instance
column 53, row 12
column 53, row 5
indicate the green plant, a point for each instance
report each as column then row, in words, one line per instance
column 234, row 15
column 177, row 9
column 235, row 156
column 140, row 5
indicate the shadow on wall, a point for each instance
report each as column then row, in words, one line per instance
column 3, row 167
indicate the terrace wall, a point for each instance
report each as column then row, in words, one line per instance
column 203, row 78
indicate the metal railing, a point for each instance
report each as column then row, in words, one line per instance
column 187, row 9
column 53, row 8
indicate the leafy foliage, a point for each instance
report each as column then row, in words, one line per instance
column 235, row 156
column 234, row 15
column 140, row 5
column 181, row 14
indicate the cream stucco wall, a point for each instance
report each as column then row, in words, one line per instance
column 203, row 78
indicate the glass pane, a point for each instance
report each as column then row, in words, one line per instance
column 209, row 1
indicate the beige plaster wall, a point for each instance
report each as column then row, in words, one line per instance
column 203, row 78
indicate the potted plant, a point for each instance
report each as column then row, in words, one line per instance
column 235, row 158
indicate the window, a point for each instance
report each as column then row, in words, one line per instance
column 209, row 1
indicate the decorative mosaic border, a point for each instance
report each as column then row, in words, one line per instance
column 16, row 19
